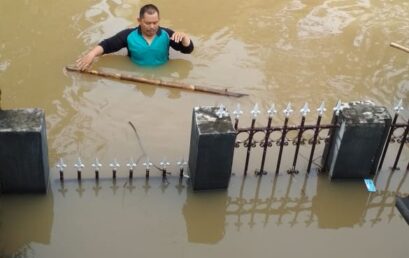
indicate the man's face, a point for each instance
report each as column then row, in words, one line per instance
column 149, row 24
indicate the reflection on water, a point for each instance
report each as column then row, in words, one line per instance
column 335, row 207
column 205, row 215
column 263, row 203
column 25, row 220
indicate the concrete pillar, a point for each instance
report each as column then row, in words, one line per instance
column 23, row 151
column 211, row 149
column 358, row 142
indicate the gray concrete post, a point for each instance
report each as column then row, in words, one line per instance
column 23, row 151
column 358, row 141
column 211, row 149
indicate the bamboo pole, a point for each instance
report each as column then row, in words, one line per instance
column 175, row 85
column 396, row 45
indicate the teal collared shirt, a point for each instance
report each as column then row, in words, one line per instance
column 142, row 53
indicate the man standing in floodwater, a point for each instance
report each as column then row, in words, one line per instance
column 147, row 45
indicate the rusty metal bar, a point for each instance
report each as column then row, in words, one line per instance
column 404, row 136
column 297, row 149
column 391, row 130
column 280, row 153
column 314, row 142
column 250, row 141
column 267, row 136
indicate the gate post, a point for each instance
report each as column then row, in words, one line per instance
column 23, row 151
column 211, row 149
column 359, row 139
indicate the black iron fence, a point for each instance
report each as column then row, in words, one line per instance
column 394, row 136
column 301, row 139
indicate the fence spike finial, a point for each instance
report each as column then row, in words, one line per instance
column 222, row 112
column 147, row 164
column 164, row 163
column 321, row 109
column 255, row 111
column 305, row 110
column 131, row 164
column 287, row 111
column 338, row 108
column 79, row 165
column 181, row 163
column 61, row 165
column 114, row 165
column 398, row 107
column 272, row 110
column 97, row 164
column 237, row 112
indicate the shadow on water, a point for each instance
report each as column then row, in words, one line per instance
column 19, row 229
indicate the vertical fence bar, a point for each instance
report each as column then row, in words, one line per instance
column 97, row 165
column 61, row 166
column 237, row 113
column 254, row 113
column 280, row 153
column 397, row 109
column 250, row 141
column 314, row 142
column 304, row 112
column 405, row 134
column 321, row 111
column 388, row 140
column 287, row 113
column 79, row 165
column 297, row 148
column 267, row 136
column 272, row 111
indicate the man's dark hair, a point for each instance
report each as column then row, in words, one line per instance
column 148, row 8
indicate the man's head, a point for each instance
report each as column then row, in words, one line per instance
column 149, row 20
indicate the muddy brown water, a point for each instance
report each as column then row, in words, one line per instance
column 277, row 52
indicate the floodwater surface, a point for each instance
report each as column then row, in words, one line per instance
column 276, row 52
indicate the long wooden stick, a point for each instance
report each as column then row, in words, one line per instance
column 396, row 45
column 176, row 85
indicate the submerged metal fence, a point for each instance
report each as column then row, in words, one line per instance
column 398, row 133
column 393, row 137
column 300, row 129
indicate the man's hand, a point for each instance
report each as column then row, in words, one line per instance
column 181, row 37
column 85, row 62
